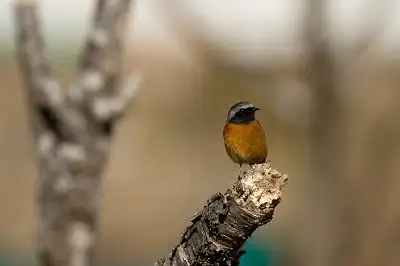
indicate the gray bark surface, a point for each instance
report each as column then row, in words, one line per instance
column 72, row 130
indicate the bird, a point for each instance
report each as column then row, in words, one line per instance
column 244, row 137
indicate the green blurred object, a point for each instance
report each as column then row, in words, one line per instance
column 13, row 257
column 4, row 260
column 258, row 254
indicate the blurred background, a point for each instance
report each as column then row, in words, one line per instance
column 326, row 77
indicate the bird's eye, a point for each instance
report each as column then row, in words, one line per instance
column 241, row 110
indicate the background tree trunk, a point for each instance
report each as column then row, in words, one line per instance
column 73, row 130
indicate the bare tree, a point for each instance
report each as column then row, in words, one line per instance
column 73, row 130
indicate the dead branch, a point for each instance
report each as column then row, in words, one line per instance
column 218, row 232
column 72, row 131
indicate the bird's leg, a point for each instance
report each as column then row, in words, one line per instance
column 243, row 168
column 240, row 170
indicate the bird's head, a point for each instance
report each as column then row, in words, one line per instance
column 242, row 113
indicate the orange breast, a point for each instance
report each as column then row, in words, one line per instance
column 245, row 143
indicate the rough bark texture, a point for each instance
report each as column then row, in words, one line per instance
column 73, row 130
column 218, row 232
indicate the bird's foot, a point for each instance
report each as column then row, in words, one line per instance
column 243, row 169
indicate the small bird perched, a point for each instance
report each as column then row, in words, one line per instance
column 244, row 136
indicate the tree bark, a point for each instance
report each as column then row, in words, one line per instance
column 218, row 232
column 73, row 130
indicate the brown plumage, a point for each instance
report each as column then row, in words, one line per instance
column 245, row 144
column 244, row 136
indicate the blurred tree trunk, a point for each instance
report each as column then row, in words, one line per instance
column 321, row 76
column 72, row 131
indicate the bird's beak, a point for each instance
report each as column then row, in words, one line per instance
column 256, row 109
